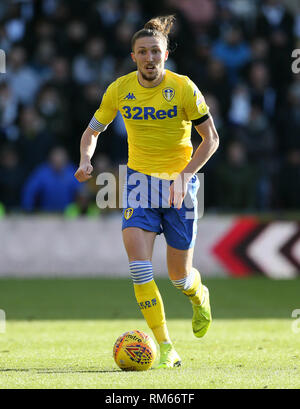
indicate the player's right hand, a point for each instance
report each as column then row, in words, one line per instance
column 84, row 172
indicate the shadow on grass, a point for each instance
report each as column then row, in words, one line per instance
column 55, row 299
column 57, row 371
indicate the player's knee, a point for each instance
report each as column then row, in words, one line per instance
column 178, row 272
column 141, row 271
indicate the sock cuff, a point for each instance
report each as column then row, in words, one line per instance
column 185, row 283
column 141, row 271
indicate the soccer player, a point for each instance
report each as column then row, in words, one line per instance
column 159, row 108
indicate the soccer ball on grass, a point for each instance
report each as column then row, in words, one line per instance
column 134, row 351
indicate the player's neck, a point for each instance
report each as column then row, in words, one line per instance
column 150, row 84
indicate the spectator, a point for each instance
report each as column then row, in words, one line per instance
column 276, row 24
column 44, row 53
column 233, row 51
column 289, row 119
column 87, row 104
column 121, row 45
column 8, row 106
column 240, row 106
column 216, row 83
column 23, row 80
column 133, row 13
column 289, row 181
column 61, row 78
column 274, row 17
column 94, row 64
column 225, row 20
column 5, row 43
column 84, row 205
column 200, row 13
column 261, row 93
column 84, row 107
column 260, row 142
column 11, row 178
column 76, row 36
column 260, row 50
column 110, row 13
column 35, row 140
column 235, row 180
column 16, row 24
column 215, row 109
column 260, row 137
column 53, row 109
column 43, row 30
column 51, row 187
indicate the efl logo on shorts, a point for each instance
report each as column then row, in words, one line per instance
column 128, row 213
column 168, row 93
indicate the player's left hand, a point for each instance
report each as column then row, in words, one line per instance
column 178, row 189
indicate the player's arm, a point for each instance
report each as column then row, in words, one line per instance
column 100, row 121
column 198, row 112
column 88, row 145
column 208, row 146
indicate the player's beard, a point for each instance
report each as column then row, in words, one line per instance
column 150, row 77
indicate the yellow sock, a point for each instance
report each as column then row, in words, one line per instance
column 149, row 299
column 191, row 286
column 152, row 308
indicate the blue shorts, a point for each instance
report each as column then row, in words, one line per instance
column 145, row 203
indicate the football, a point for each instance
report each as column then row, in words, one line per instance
column 134, row 351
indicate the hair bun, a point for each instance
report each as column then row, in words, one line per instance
column 162, row 24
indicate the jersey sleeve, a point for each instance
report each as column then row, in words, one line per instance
column 108, row 108
column 194, row 102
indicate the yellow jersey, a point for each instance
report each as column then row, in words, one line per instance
column 157, row 120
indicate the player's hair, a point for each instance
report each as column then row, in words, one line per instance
column 156, row 27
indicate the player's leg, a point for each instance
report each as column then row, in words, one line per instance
column 187, row 279
column 180, row 229
column 182, row 273
column 139, row 247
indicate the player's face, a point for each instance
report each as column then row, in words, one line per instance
column 150, row 54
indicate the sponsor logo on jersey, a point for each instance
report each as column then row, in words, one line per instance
column 145, row 113
column 168, row 93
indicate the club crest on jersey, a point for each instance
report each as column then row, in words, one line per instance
column 128, row 213
column 168, row 93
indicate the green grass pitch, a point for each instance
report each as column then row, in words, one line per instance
column 60, row 334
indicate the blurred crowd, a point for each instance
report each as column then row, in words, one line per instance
column 61, row 55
